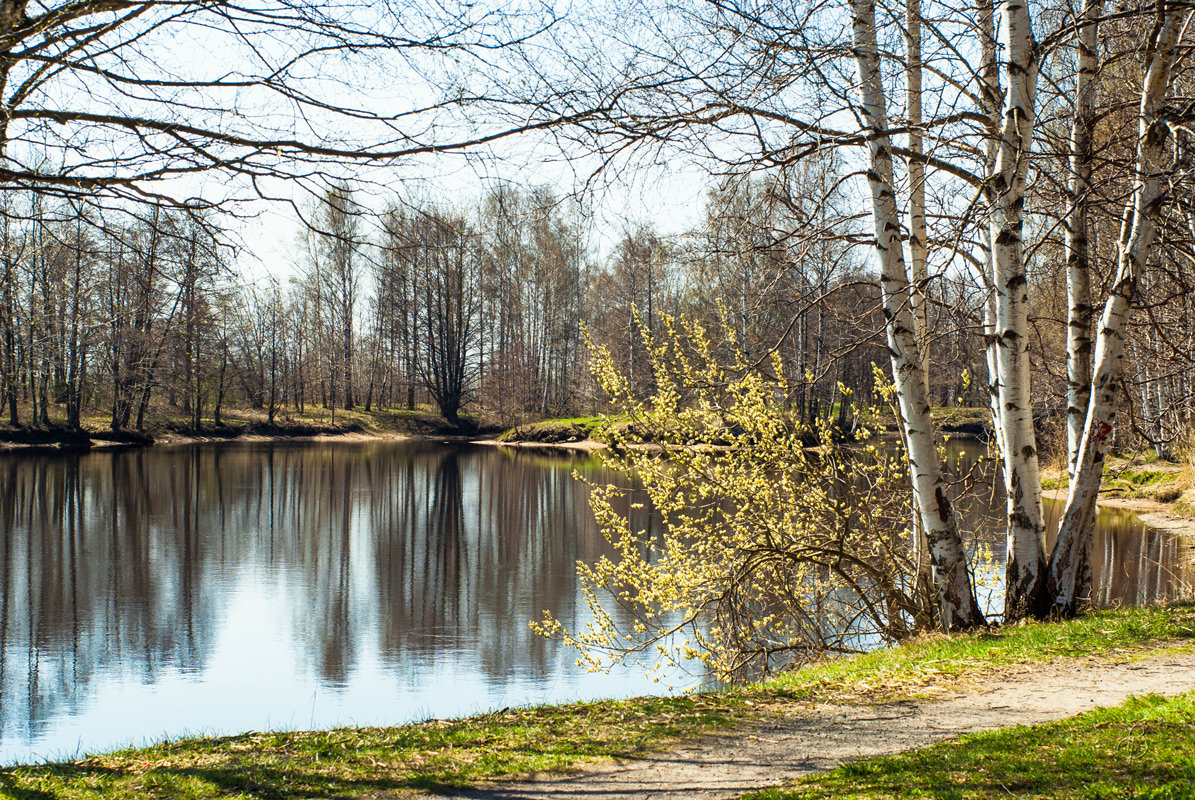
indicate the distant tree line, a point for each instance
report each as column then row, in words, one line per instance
column 481, row 309
column 121, row 318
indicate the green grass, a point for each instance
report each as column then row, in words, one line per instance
column 371, row 761
column 936, row 661
column 554, row 431
column 1163, row 483
column 1164, row 486
column 1142, row 749
column 353, row 761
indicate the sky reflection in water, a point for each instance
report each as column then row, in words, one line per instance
column 218, row 589
column 242, row 587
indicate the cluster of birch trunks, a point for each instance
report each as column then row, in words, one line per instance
column 1008, row 76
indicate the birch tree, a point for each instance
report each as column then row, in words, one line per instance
column 1025, row 573
column 1070, row 564
column 1078, row 258
column 957, row 606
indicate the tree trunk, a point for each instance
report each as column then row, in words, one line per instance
column 1078, row 261
column 918, row 251
column 1025, row 568
column 1070, row 563
column 957, row 606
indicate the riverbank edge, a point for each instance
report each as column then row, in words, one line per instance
column 1167, row 517
column 1152, row 513
column 31, row 439
column 434, row 754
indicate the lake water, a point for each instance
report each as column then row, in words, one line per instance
column 225, row 588
column 222, row 588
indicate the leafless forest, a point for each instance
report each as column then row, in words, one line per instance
column 990, row 203
column 477, row 309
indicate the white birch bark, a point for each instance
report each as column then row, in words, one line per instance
column 1078, row 278
column 957, row 606
column 1025, row 565
column 1070, row 563
column 991, row 100
column 918, row 246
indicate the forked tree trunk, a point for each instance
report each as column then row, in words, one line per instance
column 1078, row 259
column 957, row 606
column 1025, row 570
column 1070, row 563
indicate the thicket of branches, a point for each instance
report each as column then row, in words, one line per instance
column 769, row 552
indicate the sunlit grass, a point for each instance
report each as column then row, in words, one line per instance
column 933, row 661
column 371, row 761
column 1141, row 749
column 1144, row 478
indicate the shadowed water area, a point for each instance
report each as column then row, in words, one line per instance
column 224, row 588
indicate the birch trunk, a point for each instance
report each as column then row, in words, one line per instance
column 1070, row 563
column 1078, row 279
column 918, row 250
column 918, row 246
column 1025, row 566
column 957, row 607
column 991, row 99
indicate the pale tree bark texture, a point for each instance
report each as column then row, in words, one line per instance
column 1025, row 573
column 957, row 606
column 918, row 250
column 1070, row 564
column 991, row 101
column 1078, row 258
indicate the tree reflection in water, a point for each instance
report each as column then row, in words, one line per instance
column 241, row 586
column 381, row 582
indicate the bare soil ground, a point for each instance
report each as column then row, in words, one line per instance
column 814, row 738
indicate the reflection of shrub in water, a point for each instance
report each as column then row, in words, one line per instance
column 770, row 553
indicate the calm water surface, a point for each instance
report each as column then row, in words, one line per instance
column 224, row 588
column 247, row 586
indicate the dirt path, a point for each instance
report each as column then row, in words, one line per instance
column 821, row 737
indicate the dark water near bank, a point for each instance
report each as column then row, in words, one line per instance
column 1132, row 564
column 223, row 588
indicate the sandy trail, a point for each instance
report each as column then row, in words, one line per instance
column 821, row 737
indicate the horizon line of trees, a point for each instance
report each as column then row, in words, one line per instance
column 134, row 317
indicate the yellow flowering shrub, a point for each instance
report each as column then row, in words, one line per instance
column 771, row 551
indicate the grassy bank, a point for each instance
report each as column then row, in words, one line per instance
column 968, row 421
column 553, row 431
column 368, row 761
column 1142, row 749
column 165, row 425
column 963, row 420
column 1141, row 484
